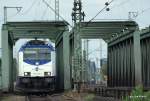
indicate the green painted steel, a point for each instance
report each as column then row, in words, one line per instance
column 68, row 48
column 71, row 46
column 77, row 17
column 91, row 30
column 145, row 48
column 6, row 60
column 121, row 63
column 56, row 31
column 0, row 83
column 77, row 65
column 0, row 76
column 36, row 29
column 63, row 63
column 105, row 29
column 124, row 60
column 128, row 59
column 137, row 58
column 66, row 60
column 60, row 65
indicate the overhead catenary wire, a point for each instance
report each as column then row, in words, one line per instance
column 139, row 13
column 120, row 4
column 143, row 11
column 44, row 13
column 106, row 5
column 57, row 13
column 27, row 11
column 127, row 1
column 31, row 6
column 37, row 10
column 11, row 16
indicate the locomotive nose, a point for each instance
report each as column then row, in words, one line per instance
column 37, row 63
column 36, row 69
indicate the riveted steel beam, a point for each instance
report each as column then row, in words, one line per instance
column 96, row 37
column 12, row 31
column 109, row 28
column 137, row 58
column 106, row 24
column 35, row 34
column 36, row 29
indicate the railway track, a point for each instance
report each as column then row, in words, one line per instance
column 54, row 97
column 37, row 98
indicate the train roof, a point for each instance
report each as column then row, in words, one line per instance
column 36, row 43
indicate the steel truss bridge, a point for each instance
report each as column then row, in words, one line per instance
column 128, row 50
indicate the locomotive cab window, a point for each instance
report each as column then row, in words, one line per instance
column 37, row 54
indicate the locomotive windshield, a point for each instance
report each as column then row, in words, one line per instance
column 37, row 54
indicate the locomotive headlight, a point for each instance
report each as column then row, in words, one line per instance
column 37, row 63
column 47, row 73
column 27, row 74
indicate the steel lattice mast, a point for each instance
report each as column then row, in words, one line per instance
column 57, row 10
column 77, row 17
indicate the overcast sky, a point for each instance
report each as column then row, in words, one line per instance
column 37, row 10
column 34, row 10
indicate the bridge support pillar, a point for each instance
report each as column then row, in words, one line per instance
column 7, row 60
column 66, row 53
column 0, row 78
column 137, row 58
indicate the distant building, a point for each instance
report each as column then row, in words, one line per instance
column 103, row 61
column 0, row 70
column 103, row 76
column 92, row 71
column 98, row 78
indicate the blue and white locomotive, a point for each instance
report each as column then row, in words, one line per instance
column 36, row 69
